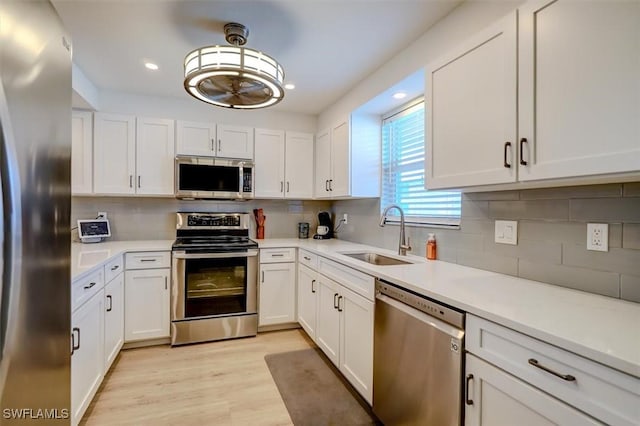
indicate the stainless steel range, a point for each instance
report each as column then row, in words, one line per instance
column 214, row 278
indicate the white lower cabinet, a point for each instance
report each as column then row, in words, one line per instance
column 87, row 357
column 495, row 398
column 113, row 319
column 308, row 300
column 344, row 332
column 277, row 293
column 146, row 304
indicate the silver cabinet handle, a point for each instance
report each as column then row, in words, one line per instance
column 130, row 181
column 307, row 258
column 87, row 287
column 138, row 181
column 219, row 145
column 287, row 186
column 113, row 268
column 148, row 260
column 566, row 377
column 340, row 307
column 166, row 286
column 313, row 290
column 281, row 186
column 110, row 299
column 335, row 301
column 277, row 255
column 326, row 185
column 262, row 276
column 330, row 184
column 523, row 162
column 213, row 147
column 466, row 389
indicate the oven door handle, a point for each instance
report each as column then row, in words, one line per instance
column 183, row 255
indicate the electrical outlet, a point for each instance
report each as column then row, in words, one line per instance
column 345, row 218
column 102, row 215
column 598, row 236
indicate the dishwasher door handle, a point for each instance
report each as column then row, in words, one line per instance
column 421, row 316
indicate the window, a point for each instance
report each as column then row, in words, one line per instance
column 403, row 171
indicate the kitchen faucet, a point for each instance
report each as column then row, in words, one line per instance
column 403, row 246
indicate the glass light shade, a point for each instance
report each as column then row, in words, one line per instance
column 233, row 77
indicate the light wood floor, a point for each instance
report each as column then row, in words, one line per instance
column 218, row 383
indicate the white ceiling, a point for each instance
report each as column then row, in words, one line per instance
column 325, row 46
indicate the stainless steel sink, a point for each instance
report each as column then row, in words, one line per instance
column 377, row 259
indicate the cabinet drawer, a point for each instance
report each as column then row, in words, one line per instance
column 604, row 393
column 307, row 258
column 113, row 268
column 356, row 281
column 84, row 288
column 275, row 255
column 148, row 260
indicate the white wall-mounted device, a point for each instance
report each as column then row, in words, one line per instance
column 93, row 230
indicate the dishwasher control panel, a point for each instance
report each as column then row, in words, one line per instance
column 445, row 313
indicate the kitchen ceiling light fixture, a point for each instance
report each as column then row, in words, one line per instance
column 151, row 66
column 233, row 76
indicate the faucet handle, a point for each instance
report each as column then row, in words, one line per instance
column 408, row 244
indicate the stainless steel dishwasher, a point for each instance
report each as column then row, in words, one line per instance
column 418, row 359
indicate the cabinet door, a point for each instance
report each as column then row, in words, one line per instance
column 495, row 398
column 328, row 325
column 277, row 294
column 155, row 156
column 470, row 108
column 307, row 300
column 146, row 304
column 235, row 141
column 269, row 163
column 339, row 184
column 113, row 319
column 579, row 88
column 298, row 165
column 114, row 155
column 87, row 360
column 356, row 342
column 194, row 138
column 81, row 152
column 323, row 164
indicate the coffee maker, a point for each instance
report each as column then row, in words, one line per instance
column 325, row 226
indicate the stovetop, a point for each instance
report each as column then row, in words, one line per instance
column 214, row 243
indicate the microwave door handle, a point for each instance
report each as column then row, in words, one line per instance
column 182, row 255
column 241, row 180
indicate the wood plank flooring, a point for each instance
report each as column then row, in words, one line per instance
column 218, row 383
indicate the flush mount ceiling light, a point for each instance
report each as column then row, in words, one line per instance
column 233, row 76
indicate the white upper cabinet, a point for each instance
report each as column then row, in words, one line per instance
column 576, row 96
column 284, row 164
column 470, row 108
column 193, row 138
column 323, row 164
column 114, row 153
column 133, row 158
column 269, row 164
column 347, row 158
column 235, row 141
column 155, row 155
column 579, row 88
column 81, row 153
column 298, row 165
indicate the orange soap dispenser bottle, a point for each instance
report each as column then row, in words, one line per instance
column 431, row 247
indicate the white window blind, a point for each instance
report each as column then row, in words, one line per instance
column 403, row 171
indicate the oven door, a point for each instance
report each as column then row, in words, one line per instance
column 206, row 285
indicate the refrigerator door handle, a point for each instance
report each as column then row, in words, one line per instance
column 10, row 224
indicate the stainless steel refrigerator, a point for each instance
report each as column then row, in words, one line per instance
column 35, row 155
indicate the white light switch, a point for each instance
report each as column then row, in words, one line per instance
column 506, row 232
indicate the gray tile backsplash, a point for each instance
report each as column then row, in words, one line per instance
column 154, row 218
column 552, row 235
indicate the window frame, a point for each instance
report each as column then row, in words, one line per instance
column 393, row 217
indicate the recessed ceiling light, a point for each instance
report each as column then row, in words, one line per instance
column 289, row 86
column 151, row 66
column 399, row 95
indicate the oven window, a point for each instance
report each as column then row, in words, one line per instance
column 195, row 177
column 215, row 286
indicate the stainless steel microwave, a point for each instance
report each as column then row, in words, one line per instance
column 214, row 178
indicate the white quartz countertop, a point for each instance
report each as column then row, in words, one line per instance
column 86, row 257
column 600, row 328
